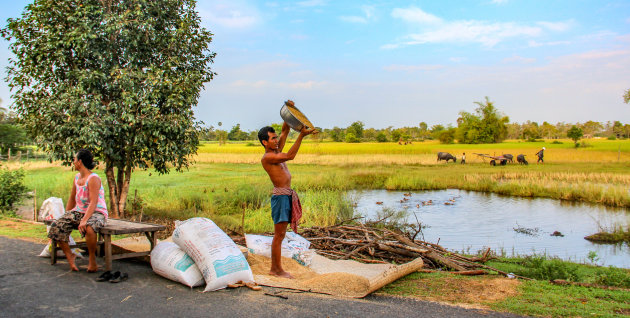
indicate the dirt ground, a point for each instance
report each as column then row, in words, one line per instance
column 468, row 292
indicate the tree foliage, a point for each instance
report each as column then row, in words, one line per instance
column 575, row 133
column 356, row 128
column 486, row 125
column 119, row 77
column 12, row 188
column 626, row 97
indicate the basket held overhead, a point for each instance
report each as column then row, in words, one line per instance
column 294, row 117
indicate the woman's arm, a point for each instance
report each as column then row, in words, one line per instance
column 71, row 200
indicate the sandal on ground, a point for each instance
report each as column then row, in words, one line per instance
column 119, row 277
column 105, row 277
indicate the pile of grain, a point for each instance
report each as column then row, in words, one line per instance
column 339, row 284
column 260, row 265
column 299, row 116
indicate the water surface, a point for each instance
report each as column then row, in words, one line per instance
column 471, row 221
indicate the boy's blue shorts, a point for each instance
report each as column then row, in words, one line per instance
column 281, row 208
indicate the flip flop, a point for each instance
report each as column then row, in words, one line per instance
column 104, row 277
column 119, row 277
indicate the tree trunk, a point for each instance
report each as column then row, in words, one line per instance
column 118, row 185
column 111, row 184
column 124, row 191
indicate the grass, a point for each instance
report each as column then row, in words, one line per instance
column 228, row 180
column 536, row 297
column 617, row 235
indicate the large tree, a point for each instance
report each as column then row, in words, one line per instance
column 119, row 77
column 486, row 125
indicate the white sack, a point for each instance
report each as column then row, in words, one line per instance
column 220, row 261
column 52, row 209
column 293, row 246
column 169, row 261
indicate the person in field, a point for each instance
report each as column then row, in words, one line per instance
column 86, row 210
column 285, row 204
column 540, row 155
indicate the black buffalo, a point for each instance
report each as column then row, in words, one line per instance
column 445, row 156
column 521, row 159
column 509, row 157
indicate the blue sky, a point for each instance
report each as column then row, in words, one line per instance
column 397, row 63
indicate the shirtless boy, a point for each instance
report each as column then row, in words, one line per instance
column 284, row 202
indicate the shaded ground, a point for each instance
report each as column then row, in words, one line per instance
column 31, row 287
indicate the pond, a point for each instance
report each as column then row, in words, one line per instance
column 471, row 221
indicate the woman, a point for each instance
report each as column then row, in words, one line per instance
column 86, row 209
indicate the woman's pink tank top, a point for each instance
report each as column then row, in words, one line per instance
column 82, row 197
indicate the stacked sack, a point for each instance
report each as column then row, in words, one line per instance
column 216, row 257
column 293, row 246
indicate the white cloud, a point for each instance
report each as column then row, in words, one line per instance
column 415, row 15
column 312, row 3
column 533, row 43
column 519, row 59
column 368, row 14
column 499, row 2
column 231, row 15
column 412, row 68
column 457, row 59
column 556, row 26
column 488, row 34
column 300, row 37
column 436, row 30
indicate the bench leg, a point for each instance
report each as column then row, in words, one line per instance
column 108, row 251
column 99, row 250
column 152, row 239
column 53, row 255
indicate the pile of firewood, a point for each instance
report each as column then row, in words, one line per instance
column 370, row 244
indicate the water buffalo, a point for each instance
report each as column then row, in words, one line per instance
column 521, row 159
column 445, row 156
column 509, row 157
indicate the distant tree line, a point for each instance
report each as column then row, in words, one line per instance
column 485, row 125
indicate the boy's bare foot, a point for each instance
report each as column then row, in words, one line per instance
column 92, row 269
column 73, row 266
column 282, row 274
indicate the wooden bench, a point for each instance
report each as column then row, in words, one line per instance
column 114, row 227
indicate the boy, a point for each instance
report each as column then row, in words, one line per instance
column 285, row 205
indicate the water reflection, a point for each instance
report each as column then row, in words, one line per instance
column 470, row 221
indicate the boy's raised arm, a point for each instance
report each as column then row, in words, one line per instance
column 283, row 136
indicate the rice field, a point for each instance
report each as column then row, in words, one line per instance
column 227, row 180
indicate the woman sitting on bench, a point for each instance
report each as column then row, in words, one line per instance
column 86, row 210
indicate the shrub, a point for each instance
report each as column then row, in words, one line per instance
column 612, row 138
column 538, row 267
column 352, row 138
column 381, row 137
column 556, row 142
column 12, row 188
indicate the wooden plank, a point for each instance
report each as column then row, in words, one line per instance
column 117, row 226
column 130, row 255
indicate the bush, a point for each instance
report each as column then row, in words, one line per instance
column 12, row 188
column 612, row 276
column 381, row 137
column 556, row 142
column 352, row 138
column 612, row 138
column 548, row 269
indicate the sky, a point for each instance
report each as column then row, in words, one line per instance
column 399, row 63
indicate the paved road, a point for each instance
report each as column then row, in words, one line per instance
column 31, row 287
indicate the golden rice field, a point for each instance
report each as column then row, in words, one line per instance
column 327, row 153
column 227, row 180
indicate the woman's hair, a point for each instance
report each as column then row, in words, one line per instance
column 86, row 158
